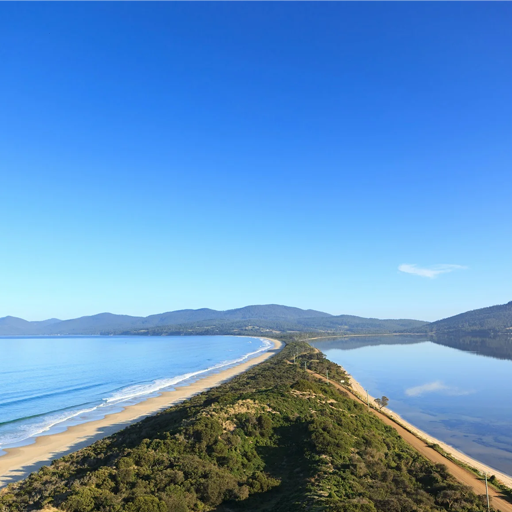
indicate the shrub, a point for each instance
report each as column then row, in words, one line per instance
column 146, row 504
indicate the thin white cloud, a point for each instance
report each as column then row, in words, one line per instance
column 430, row 272
column 431, row 387
column 436, row 387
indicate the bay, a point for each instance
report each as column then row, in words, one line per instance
column 462, row 398
column 50, row 383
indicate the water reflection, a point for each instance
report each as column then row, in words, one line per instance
column 454, row 394
column 498, row 345
column 354, row 342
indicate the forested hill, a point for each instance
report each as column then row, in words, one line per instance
column 273, row 439
column 494, row 318
column 108, row 323
column 343, row 324
column 250, row 319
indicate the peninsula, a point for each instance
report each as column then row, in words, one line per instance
column 276, row 437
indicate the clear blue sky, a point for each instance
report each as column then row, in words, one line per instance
column 161, row 156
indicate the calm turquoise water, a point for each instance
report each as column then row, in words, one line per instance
column 461, row 398
column 50, row 383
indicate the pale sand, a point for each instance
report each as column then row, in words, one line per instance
column 453, row 452
column 18, row 463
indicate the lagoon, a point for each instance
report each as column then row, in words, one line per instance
column 460, row 397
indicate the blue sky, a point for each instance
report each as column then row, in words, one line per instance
column 161, row 156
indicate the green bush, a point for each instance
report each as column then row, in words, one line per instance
column 82, row 501
column 205, row 432
column 146, row 504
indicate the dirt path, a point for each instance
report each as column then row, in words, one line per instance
column 498, row 500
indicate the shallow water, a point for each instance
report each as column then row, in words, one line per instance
column 50, row 383
column 461, row 398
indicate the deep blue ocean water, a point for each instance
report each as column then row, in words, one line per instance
column 50, row 383
column 461, row 398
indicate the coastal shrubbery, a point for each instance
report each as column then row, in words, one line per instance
column 272, row 439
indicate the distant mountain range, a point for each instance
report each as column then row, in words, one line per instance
column 262, row 318
column 269, row 318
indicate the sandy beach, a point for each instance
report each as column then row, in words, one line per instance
column 18, row 463
column 453, row 452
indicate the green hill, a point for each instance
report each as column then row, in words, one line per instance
column 108, row 323
column 10, row 325
column 356, row 324
column 332, row 325
column 250, row 319
column 494, row 318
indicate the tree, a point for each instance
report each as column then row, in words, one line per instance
column 146, row 504
column 382, row 402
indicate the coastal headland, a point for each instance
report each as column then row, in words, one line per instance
column 18, row 463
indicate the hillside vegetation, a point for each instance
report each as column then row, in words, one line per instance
column 250, row 319
column 272, row 439
column 494, row 318
column 315, row 326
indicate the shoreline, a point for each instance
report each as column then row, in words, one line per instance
column 457, row 455
column 18, row 463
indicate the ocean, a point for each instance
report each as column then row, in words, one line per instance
column 50, row 383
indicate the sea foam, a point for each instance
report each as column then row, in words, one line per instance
column 21, row 431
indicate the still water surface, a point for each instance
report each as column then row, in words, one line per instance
column 461, row 398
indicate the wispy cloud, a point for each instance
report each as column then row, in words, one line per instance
column 431, row 387
column 430, row 272
column 436, row 387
